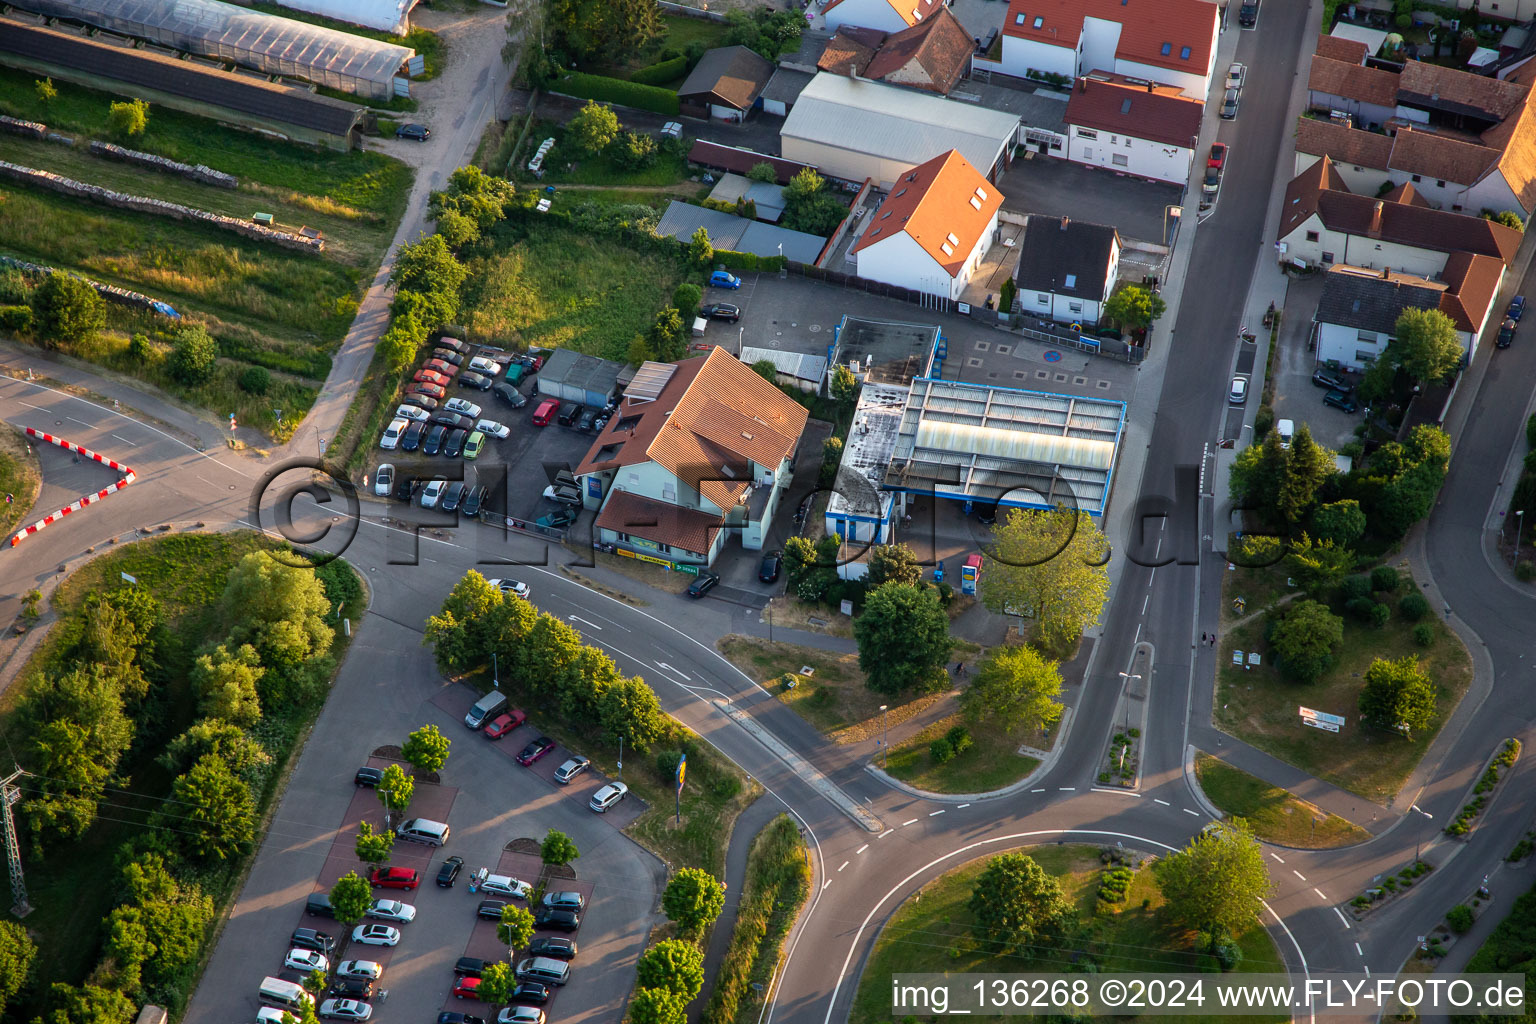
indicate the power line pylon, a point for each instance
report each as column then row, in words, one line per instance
column 10, row 793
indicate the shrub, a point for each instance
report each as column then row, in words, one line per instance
column 1356, row 586
column 748, row 260
column 129, row 118
column 1459, row 918
column 959, row 739
column 1530, row 430
column 616, row 90
column 1263, row 422
column 1362, row 608
column 1380, row 613
column 255, row 381
column 66, row 308
column 193, row 356
column 1529, row 462
column 661, row 72
column 15, row 318
column 940, row 750
column 1424, row 634
column 946, row 595
column 1413, row 607
column 1525, row 571
column 1384, row 578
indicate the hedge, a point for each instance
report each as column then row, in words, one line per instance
column 662, row 72
column 748, row 260
column 617, row 90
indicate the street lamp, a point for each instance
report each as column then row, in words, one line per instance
column 495, row 672
column 885, row 744
column 1519, row 528
column 1417, row 838
column 1128, row 677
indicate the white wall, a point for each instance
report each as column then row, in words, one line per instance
column 1190, row 83
column 1097, row 45
column 719, row 113
column 1366, row 113
column 1345, row 345
column 875, row 14
column 898, row 259
column 1360, row 251
column 1020, row 56
column 1158, row 160
column 1362, row 181
column 844, row 163
column 1096, row 52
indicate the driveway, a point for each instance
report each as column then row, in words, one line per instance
column 1296, row 397
column 1057, row 188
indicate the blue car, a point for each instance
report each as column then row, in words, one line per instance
column 724, row 279
column 1516, row 308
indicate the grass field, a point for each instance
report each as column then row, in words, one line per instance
column 565, row 167
column 554, row 288
column 992, row 762
column 1276, row 815
column 677, row 31
column 19, row 476
column 933, row 934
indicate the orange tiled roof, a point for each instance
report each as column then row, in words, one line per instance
column 1148, row 27
column 1336, row 48
column 661, row 521
column 1471, row 284
column 850, row 50
column 1355, row 81
column 943, row 203
column 1158, row 114
column 931, row 55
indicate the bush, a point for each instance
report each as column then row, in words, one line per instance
column 1413, row 607
column 616, row 90
column 1380, row 614
column 1459, row 918
column 940, row 750
column 1424, row 634
column 129, row 118
column 255, row 381
column 1356, row 586
column 15, row 318
column 959, row 739
column 66, row 308
column 946, row 595
column 1362, row 608
column 1384, row 578
column 661, row 72
column 1525, row 571
column 1263, row 422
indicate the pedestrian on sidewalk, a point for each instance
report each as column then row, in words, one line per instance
column 1204, row 639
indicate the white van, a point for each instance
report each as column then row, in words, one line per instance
column 492, row 704
column 272, row 1015
column 285, row 994
column 423, row 830
column 1286, row 430
column 545, row 970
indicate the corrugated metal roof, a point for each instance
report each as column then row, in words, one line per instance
column 800, row 365
column 897, row 124
column 737, row 234
column 385, row 15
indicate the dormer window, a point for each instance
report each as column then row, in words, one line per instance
column 898, row 195
column 1018, row 19
column 975, row 203
column 1167, row 49
column 951, row 239
column 981, row 193
column 886, row 214
column 1039, row 22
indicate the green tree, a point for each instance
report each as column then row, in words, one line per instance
column 77, row 731
column 674, row 965
column 426, row 749
column 1014, row 902
column 604, row 34
column 140, row 349
column 373, row 847
column 351, row 896
column 66, row 309
column 472, row 203
column 831, row 459
column 193, row 356
column 629, row 709
column 1318, row 565
column 515, row 930
column 395, row 789
column 1014, row 686
column 456, row 229
column 88, row 1004
column 693, row 898
column 845, row 386
column 213, row 809
column 633, row 150
column 1305, row 467
column 1005, row 295
column 1397, row 696
column 1425, row 344
column 1305, row 640
column 699, row 249
column 1341, row 522
column 459, row 633
column 1218, row 882
column 1510, row 219
column 225, row 682
column 46, row 91
column 1134, row 308
column 255, row 380
column 128, row 118
column 16, row 955
column 657, row 1006
column 1051, row 564
column 263, row 592
column 903, row 638
column 558, row 849
column 892, row 563
column 246, row 757
column 429, row 269
column 127, row 945
column 497, row 981
column 668, row 337
column 686, row 298
column 765, row 369
column 593, row 128
column 763, row 171
column 803, row 185
column 400, row 342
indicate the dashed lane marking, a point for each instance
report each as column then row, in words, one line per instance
column 1320, row 895
column 120, row 437
column 939, row 811
column 1359, row 950
column 912, row 821
column 887, row 832
column 1165, row 803
column 1041, row 790
column 861, row 849
column 962, row 807
column 1067, row 789
column 825, row 884
column 1298, row 874
column 1277, row 858
column 844, row 864
column 1186, row 810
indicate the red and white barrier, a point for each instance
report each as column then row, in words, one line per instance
column 84, row 499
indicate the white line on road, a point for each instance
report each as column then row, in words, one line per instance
column 887, row 832
column 29, row 405
column 861, row 849
column 912, row 821
column 962, row 807
column 1138, row 635
column 1359, row 950
column 932, row 813
column 578, row 618
column 1298, row 874
column 1186, row 810
column 81, row 422
column 1165, row 803
column 1121, row 792
column 1320, row 894
column 1041, row 790
column 1277, row 858
column 1345, row 920
column 845, row 864
column 1067, row 789
column 1366, row 969
column 668, row 668
column 1144, row 602
column 825, row 884
column 123, row 439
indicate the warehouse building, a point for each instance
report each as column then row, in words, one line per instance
column 576, row 377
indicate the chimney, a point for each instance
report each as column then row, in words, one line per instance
column 1375, row 229
column 1064, row 222
column 1149, row 87
column 1386, row 273
column 1082, row 85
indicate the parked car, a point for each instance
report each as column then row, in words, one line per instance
column 724, row 279
column 441, row 366
column 1237, row 394
column 391, row 438
column 405, row 488
column 467, row 987
column 452, row 345
column 521, row 1015
column 369, row 969
column 556, row 920
column 1340, row 400
column 702, row 583
column 569, row 413
column 1218, row 157
column 410, row 439
column 306, row 960
column 376, row 935
column 1212, row 182
column 517, row 587
column 550, row 946
column 369, row 777
column 531, row 992
column 416, row 132
column 534, row 750
column 545, row 412
column 485, row 365
column 509, row 394
column 493, row 429
column 431, row 377
column 453, row 420
column 1235, row 75
column 1516, row 308
column 588, row 418
column 474, row 501
column 562, row 495
column 608, row 796
column 462, row 406
column 352, row 988
column 412, row 412
column 449, row 872
column 559, row 519
column 392, row 910
column 452, row 495
column 1327, row 379
column 564, row 900
column 474, row 445
column 1229, row 105
column 449, row 1017
column 503, row 724
column 572, row 767
column 432, row 492
column 453, row 447
column 427, row 390
column 1507, row 333
column 319, row 905
column 434, row 442
column 426, row 402
column 344, row 1009
column 469, row 965
column 313, row 939
column 475, row 380
column 721, row 311
column 1248, row 13
column 448, row 355
column 768, row 569
column 506, row 885
column 490, row 909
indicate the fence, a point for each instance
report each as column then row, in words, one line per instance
column 689, row 12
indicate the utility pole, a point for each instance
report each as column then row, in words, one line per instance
column 10, row 793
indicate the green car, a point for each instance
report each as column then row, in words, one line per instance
column 475, row 443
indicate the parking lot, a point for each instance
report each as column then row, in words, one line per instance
column 1133, row 206
column 1296, row 397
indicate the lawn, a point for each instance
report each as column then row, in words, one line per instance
column 991, row 762
column 19, row 476
column 1276, row 815
column 933, row 935
column 550, row 287
column 677, row 31
column 1259, row 705
column 563, row 166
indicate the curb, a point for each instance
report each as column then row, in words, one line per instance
column 1193, row 781
column 1041, row 770
column 1470, row 793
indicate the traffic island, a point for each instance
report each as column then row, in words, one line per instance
column 1277, row 816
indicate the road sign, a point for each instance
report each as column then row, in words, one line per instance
column 127, row 578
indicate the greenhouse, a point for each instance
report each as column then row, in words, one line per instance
column 384, row 15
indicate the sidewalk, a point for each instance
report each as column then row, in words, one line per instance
column 751, row 822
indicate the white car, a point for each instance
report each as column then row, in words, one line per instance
column 306, row 960
column 272, row 1015
column 572, row 768
column 608, row 796
column 493, row 428
column 1238, row 395
column 391, row 438
column 511, row 587
column 345, row 1009
column 433, row 491
column 384, row 480
column 505, row 885
column 1235, row 75
column 392, row 910
column 462, row 406
column 412, row 412
column 521, row 1015
column 368, row 970
column 489, row 367
column 376, row 935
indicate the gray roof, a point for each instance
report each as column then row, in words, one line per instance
column 786, row 85
column 897, row 124
column 730, row 76
column 737, row 234
column 1042, row 108
column 1371, row 303
column 1064, row 256
column 582, row 371
column 769, row 199
column 799, row 365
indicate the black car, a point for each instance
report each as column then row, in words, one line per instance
column 469, row 965
column 418, row 132
column 352, row 988
column 1506, row 333
column 768, row 571
column 410, row 437
column 448, row 356
column 309, row 938
column 426, row 402
column 449, row 871
column 454, row 494
column 558, row 920
column 453, row 421
column 451, row 1017
column 535, row 750
column 405, row 488
column 490, row 909
column 588, row 417
column 319, row 905
column 1340, row 400
column 369, row 777
column 560, row 949
column 453, row 447
column 568, row 414
column 509, row 394
column 474, row 498
column 530, row 992
column 434, row 442
column 1324, row 379
column 475, row 380
column 1248, row 14
column 702, row 584
column 721, row 311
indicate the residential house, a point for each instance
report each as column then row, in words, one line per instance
column 725, row 84
column 1067, row 269
column 881, row 15
column 1147, row 130
column 932, row 55
column 696, row 451
column 933, row 229
column 1357, row 314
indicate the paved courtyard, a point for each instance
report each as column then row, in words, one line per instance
column 1133, row 206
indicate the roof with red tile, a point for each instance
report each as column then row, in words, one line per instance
column 943, row 204
column 1350, row 50
column 1157, row 114
column 933, row 54
column 1318, row 137
column 635, row 424
column 850, row 50
column 660, row 521
column 1355, row 81
column 1148, row 28
column 1472, row 283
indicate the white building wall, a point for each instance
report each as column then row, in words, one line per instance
column 1097, row 45
column 719, row 113
column 875, row 14
column 846, row 163
column 1492, row 193
column 1352, row 349
column 1362, row 181
column 1189, row 82
column 899, row 260
column 1020, row 56
column 652, row 481
column 1359, row 251
column 1157, row 160
column 1514, row 10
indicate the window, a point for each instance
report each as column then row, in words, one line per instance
column 898, row 195
column 1018, row 19
column 1417, row 179
column 1076, row 307
column 1086, row 133
column 1039, row 23
column 1042, row 298
column 1184, row 53
column 1071, row 280
column 1365, row 337
column 1327, row 257
column 951, row 239
column 1114, row 140
column 975, row 203
column 1167, row 49
column 947, row 249
column 1368, row 356
column 1120, row 160
column 1311, row 236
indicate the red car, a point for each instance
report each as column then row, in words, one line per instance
column 1218, row 155
column 504, row 724
column 394, row 878
column 535, row 750
column 431, row 377
column 430, row 390
column 441, row 366
column 467, row 987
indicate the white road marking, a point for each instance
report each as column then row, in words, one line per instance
column 29, row 405
column 861, row 849
column 1165, row 803
column 1336, row 910
column 668, row 668
column 1277, row 858
column 123, row 439
column 932, row 813
column 1144, row 602
column 962, row 807
column 1298, row 874
column 1366, row 969
column 1320, row 894
column 81, row 422
column 887, row 832
column 1067, row 789
column 825, row 884
column 904, row 824
column 1359, row 950
column 1041, row 790
column 845, row 864
column 578, row 618
column 1186, row 810
column 1137, row 640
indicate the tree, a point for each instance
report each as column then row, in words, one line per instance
column 213, row 809
column 255, row 380
column 686, row 298
column 128, row 118
column 1051, row 564
column 763, row 171
column 47, row 92
column 373, row 847
column 88, row 1004
column 657, row 1006
column 77, row 730
column 1318, row 565
column 903, row 638
column 765, row 369
column 16, row 955
column 674, row 965
column 693, row 898
column 593, row 128
column 1015, row 902
column 557, row 848
column 1397, row 696
column 1341, row 522
column 633, row 150
column 351, row 897
column 603, row 33
column 426, row 749
column 803, row 185
column 831, row 459
column 1014, row 686
column 497, row 981
column 66, row 309
column 1005, row 295
column 845, row 386
column 1305, row 467
column 629, row 710
column 460, row 632
column 1134, row 308
column 472, row 202
column 428, row 268
column 668, row 336
column 1508, row 218
column 1305, row 640
column 1425, row 344
column 400, row 342
column 226, row 684
column 1218, row 883
column 395, row 789
column 516, row 926
column 193, row 356
column 892, row 563
column 699, row 249
column 262, row 591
